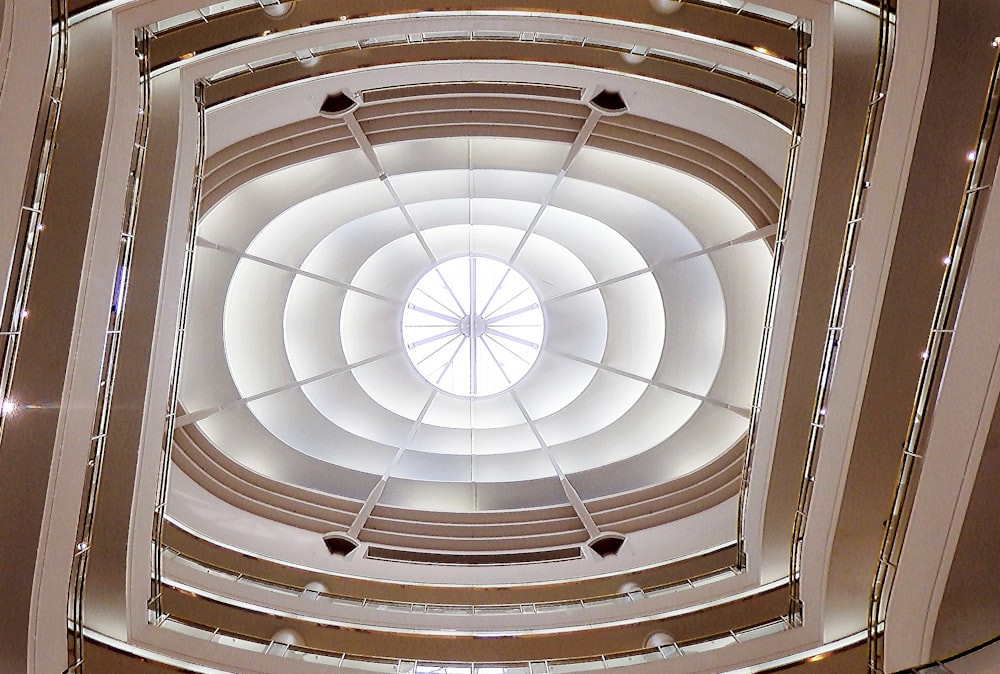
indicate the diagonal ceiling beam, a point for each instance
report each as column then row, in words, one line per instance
column 581, row 139
column 205, row 243
column 376, row 493
column 571, row 494
column 366, row 147
column 755, row 235
column 199, row 415
column 742, row 411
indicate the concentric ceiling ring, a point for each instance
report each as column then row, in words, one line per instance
column 614, row 381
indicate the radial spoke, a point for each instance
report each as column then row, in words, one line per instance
column 366, row 147
column 451, row 360
column 507, row 348
column 507, row 326
column 496, row 333
column 494, row 293
column 205, row 243
column 437, row 302
column 451, row 292
column 473, row 316
column 510, row 314
column 742, row 411
column 581, row 139
column 199, row 415
column 749, row 237
column 436, row 351
column 434, row 338
column 436, row 314
column 523, row 290
column 586, row 519
column 424, row 325
column 601, row 284
column 376, row 493
column 496, row 361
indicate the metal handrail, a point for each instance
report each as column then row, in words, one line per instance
column 164, row 26
column 78, row 575
column 937, row 666
column 795, row 142
column 516, row 36
column 931, row 371
column 458, row 609
column 838, row 308
column 414, row 666
column 30, row 223
column 159, row 511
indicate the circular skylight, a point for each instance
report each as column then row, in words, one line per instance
column 472, row 326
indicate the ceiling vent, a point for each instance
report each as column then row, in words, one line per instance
column 608, row 102
column 337, row 105
column 607, row 544
column 340, row 544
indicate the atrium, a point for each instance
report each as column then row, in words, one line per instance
column 493, row 338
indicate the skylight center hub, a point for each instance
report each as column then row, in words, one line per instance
column 473, row 326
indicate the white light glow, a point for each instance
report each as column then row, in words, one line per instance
column 472, row 326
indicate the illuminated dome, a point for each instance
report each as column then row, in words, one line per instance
column 636, row 365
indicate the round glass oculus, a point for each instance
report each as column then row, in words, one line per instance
column 472, row 326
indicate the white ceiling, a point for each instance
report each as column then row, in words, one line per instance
column 650, row 364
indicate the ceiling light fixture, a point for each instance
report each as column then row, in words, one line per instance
column 636, row 56
column 277, row 10
column 665, row 6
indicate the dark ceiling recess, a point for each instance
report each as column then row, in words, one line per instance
column 337, row 105
column 606, row 545
column 609, row 102
column 340, row 544
column 495, row 558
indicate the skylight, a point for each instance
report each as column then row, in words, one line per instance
column 472, row 326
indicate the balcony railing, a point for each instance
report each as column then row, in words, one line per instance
column 175, row 556
column 406, row 666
